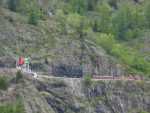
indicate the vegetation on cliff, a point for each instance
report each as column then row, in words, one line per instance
column 111, row 24
column 9, row 108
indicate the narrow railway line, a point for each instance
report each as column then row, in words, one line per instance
column 104, row 78
column 94, row 78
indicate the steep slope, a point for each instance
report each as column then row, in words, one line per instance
column 71, row 95
column 50, row 52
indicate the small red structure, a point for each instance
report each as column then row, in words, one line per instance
column 20, row 61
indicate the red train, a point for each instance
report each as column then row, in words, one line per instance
column 117, row 78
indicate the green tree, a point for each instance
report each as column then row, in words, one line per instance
column 1, row 2
column 19, row 76
column 13, row 4
column 87, row 81
column 63, row 27
column 34, row 13
column 122, row 22
column 107, row 41
column 20, row 107
column 113, row 3
column 91, row 5
column 147, row 14
column 9, row 108
column 74, row 19
column 95, row 26
column 80, row 6
column 104, row 19
column 23, row 6
column 3, row 83
column 33, row 18
column 128, row 22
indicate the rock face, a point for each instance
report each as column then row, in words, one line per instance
column 72, row 96
column 55, row 54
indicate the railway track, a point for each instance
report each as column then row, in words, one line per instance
column 94, row 78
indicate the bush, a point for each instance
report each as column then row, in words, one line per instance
column 142, row 112
column 104, row 25
column 19, row 76
column 34, row 14
column 3, row 83
column 1, row 2
column 9, row 108
column 74, row 19
column 33, row 18
column 23, row 7
column 107, row 41
column 147, row 14
column 13, row 4
column 87, row 81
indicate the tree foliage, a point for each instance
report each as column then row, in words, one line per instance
column 113, row 3
column 13, row 4
column 9, row 108
column 87, row 81
column 3, row 83
column 104, row 19
column 23, row 6
column 128, row 22
column 147, row 14
column 107, row 41
column 19, row 76
column 34, row 14
column 74, row 19
column 1, row 2
column 80, row 6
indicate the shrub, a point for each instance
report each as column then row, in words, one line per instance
column 23, row 6
column 19, row 76
column 74, row 19
column 104, row 19
column 33, row 18
column 1, row 2
column 113, row 3
column 9, row 108
column 107, row 41
column 87, row 81
column 34, row 14
column 142, row 112
column 13, row 4
column 147, row 14
column 3, row 83
column 79, row 6
column 59, row 14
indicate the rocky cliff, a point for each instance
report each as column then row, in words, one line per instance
column 52, row 53
column 71, row 95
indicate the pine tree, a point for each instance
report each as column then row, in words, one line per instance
column 12, row 4
column 147, row 14
column 113, row 3
column 80, row 6
column 1, row 2
column 33, row 18
column 34, row 15
column 23, row 6
column 95, row 26
column 104, row 22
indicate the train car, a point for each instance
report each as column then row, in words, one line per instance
column 102, row 77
